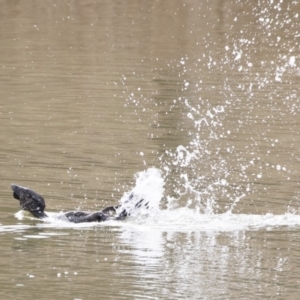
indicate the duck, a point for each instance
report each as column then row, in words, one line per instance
column 34, row 203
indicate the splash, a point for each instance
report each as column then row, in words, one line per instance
column 151, row 217
column 150, row 186
column 198, row 174
column 146, row 195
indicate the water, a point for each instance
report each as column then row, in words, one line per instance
column 192, row 105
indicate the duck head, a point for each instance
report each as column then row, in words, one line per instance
column 29, row 200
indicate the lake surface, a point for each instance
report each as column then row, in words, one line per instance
column 200, row 97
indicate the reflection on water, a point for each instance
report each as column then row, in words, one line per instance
column 94, row 92
column 123, row 262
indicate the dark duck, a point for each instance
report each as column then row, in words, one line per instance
column 35, row 204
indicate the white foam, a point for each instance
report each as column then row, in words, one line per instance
column 178, row 220
column 37, row 236
column 187, row 220
column 18, row 227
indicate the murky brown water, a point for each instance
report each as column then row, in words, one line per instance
column 93, row 92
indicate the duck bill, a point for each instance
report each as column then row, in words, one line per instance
column 16, row 190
